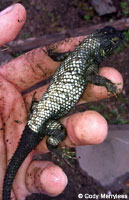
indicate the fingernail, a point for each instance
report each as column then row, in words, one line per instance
column 6, row 10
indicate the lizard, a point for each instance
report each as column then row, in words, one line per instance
column 77, row 69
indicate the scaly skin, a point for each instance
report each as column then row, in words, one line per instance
column 66, row 87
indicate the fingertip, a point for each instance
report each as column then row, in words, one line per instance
column 69, row 44
column 95, row 93
column 11, row 21
column 113, row 75
column 53, row 180
column 45, row 177
column 86, row 128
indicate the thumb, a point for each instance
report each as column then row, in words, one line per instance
column 11, row 21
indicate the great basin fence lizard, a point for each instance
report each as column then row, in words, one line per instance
column 65, row 89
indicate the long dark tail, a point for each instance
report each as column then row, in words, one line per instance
column 28, row 142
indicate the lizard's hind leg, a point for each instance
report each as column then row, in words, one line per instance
column 56, row 134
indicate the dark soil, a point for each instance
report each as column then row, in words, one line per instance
column 48, row 17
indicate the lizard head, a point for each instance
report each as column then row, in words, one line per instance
column 109, row 39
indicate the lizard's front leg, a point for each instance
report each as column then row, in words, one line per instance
column 102, row 81
column 58, row 56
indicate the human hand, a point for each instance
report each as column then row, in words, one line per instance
column 19, row 75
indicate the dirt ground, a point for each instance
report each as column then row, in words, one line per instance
column 48, row 17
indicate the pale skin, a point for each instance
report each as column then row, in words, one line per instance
column 20, row 74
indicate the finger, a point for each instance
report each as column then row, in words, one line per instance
column 11, row 21
column 29, row 69
column 13, row 115
column 45, row 177
column 40, row 177
column 95, row 93
column 84, row 129
column 32, row 67
column 68, row 44
column 12, row 110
